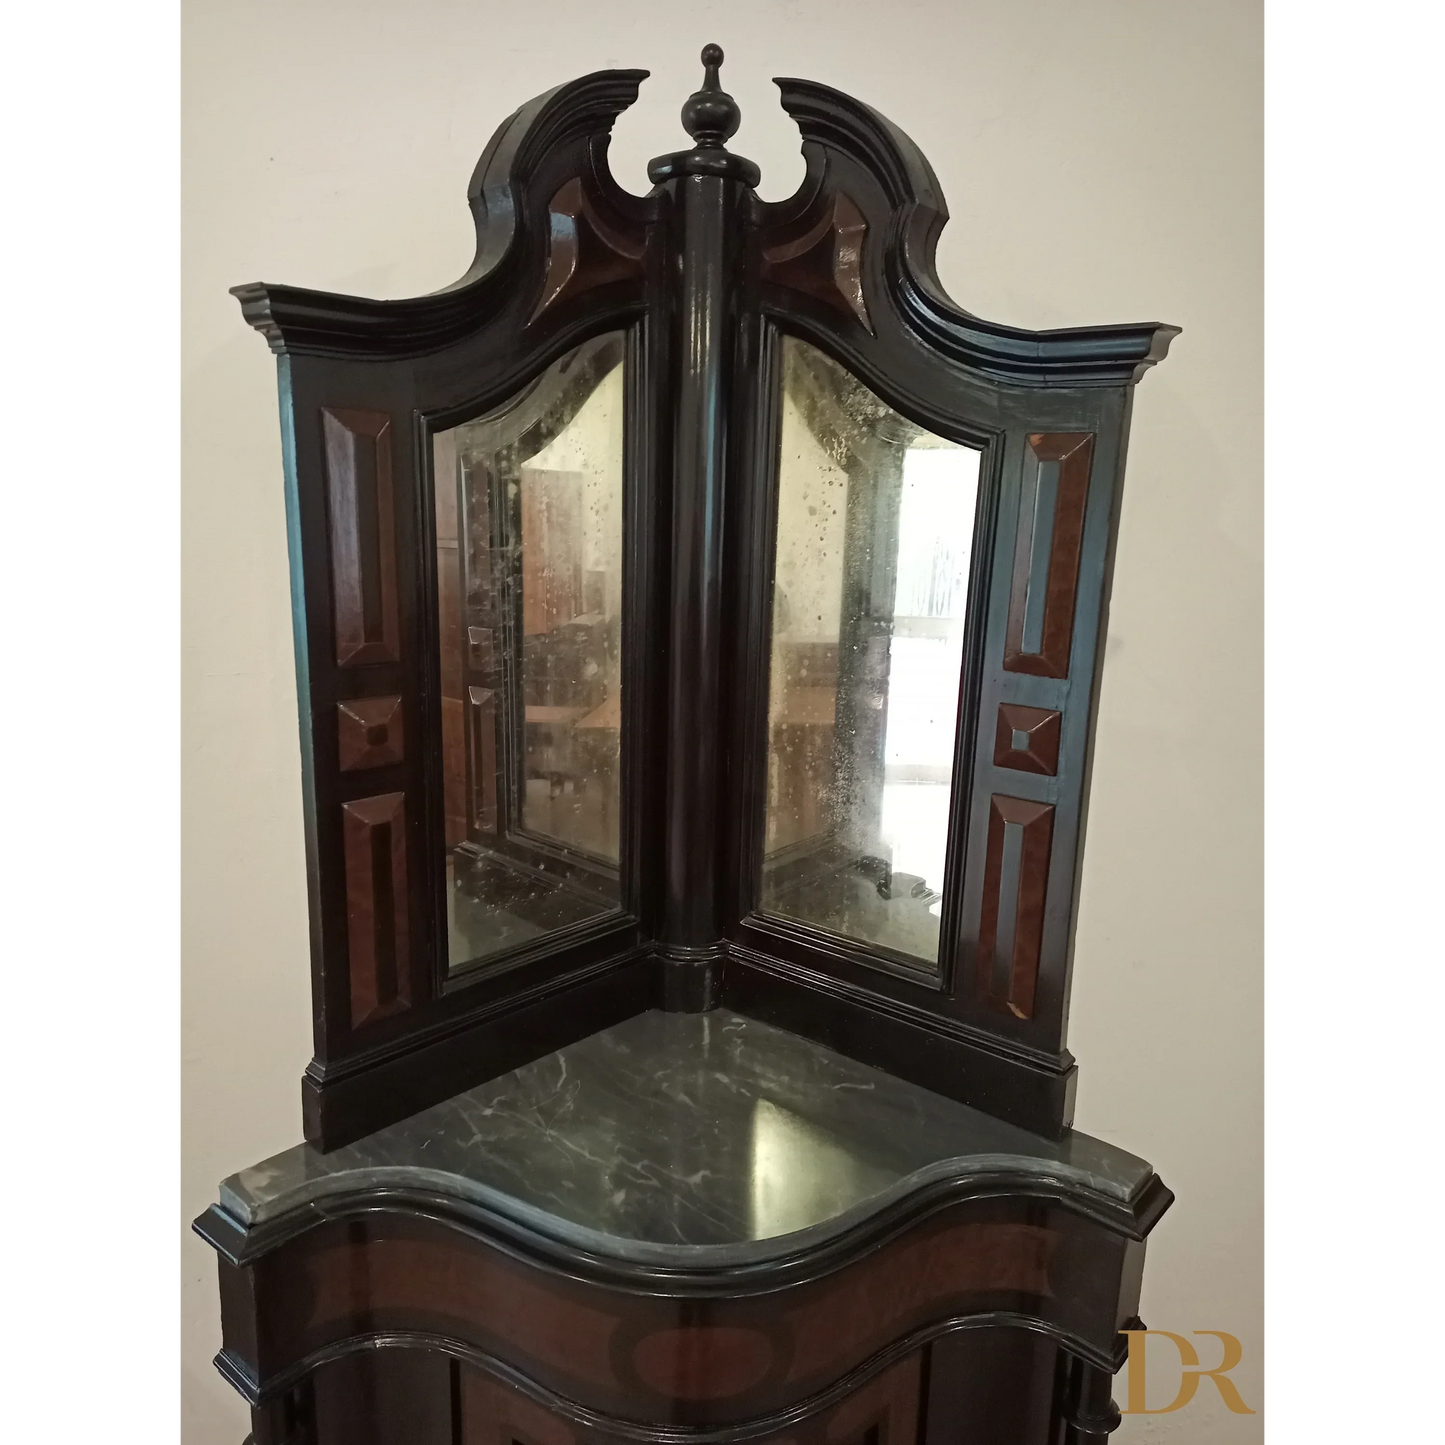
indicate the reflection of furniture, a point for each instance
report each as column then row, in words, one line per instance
column 597, row 739
column 693, row 1219
column 801, row 739
column 549, row 743
column 551, row 548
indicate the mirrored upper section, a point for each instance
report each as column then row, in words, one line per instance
column 874, row 541
column 529, row 599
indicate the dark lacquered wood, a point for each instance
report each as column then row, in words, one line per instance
column 1015, row 889
column 691, row 932
column 706, row 187
column 1026, row 739
column 1047, row 555
column 992, row 1387
column 376, row 905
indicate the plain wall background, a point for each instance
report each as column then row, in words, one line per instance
column 1102, row 160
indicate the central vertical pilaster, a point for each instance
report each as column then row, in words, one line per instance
column 708, row 185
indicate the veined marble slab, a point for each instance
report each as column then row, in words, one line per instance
column 674, row 1133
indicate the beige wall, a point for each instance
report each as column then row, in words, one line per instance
column 1103, row 162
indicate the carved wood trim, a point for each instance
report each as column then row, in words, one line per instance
column 584, row 249
column 826, row 261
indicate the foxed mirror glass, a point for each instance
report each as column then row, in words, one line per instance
column 529, row 596
column 874, row 542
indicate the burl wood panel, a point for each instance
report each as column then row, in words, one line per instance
column 873, row 1306
column 374, row 839
column 1046, row 553
column 368, row 732
column 1015, row 886
column 703, row 1362
column 1027, row 739
column 826, row 261
column 585, row 249
column 361, row 508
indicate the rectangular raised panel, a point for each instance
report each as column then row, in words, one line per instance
column 360, row 504
column 1027, row 739
column 374, row 839
column 1015, row 885
column 1046, row 553
column 368, row 732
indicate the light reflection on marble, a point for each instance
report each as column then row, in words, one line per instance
column 675, row 1133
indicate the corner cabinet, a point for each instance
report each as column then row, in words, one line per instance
column 698, row 628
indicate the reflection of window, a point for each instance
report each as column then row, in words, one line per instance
column 801, row 1175
column 529, row 563
column 874, row 539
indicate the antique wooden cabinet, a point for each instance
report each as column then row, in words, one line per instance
column 698, row 630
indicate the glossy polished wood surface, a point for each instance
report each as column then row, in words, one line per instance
column 742, row 1349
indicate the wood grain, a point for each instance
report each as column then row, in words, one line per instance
column 1048, row 548
column 361, row 508
column 374, row 836
column 1015, row 885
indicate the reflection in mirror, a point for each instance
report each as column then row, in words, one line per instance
column 874, row 539
column 801, row 1174
column 529, row 595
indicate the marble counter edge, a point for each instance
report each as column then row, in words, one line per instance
column 341, row 1188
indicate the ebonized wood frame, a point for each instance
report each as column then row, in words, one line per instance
column 703, row 278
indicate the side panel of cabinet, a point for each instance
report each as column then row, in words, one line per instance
column 1022, row 837
column 353, row 524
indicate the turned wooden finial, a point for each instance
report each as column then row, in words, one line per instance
column 710, row 115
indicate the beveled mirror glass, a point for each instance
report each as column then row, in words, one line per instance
column 874, row 540
column 529, row 596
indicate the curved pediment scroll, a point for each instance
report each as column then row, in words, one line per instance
column 851, row 152
column 549, row 153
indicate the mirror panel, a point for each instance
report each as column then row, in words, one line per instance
column 529, row 598
column 874, row 543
